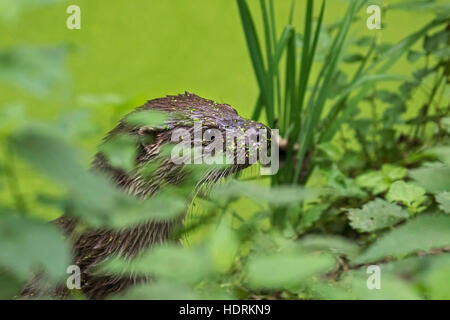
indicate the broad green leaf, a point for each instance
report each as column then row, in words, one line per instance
column 46, row 151
column 162, row 207
column 167, row 261
column 375, row 181
column 341, row 186
column 375, row 215
column 433, row 180
column 353, row 286
column 147, row 118
column 311, row 216
column 443, row 154
column 286, row 270
column 394, row 172
column 422, row 233
column 27, row 245
column 407, row 193
column 281, row 195
column 223, row 247
column 443, row 199
column 121, row 151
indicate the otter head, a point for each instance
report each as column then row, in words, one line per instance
column 215, row 131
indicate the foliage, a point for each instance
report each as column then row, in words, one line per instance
column 375, row 215
column 357, row 186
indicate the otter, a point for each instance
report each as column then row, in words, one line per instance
column 94, row 246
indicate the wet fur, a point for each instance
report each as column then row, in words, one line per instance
column 92, row 247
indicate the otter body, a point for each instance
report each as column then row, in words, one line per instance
column 93, row 247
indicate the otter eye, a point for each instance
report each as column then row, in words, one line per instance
column 210, row 134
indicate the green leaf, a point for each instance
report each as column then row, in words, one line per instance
column 285, row 270
column 375, row 215
column 311, row 216
column 27, row 245
column 50, row 154
column 162, row 207
column 433, row 180
column 407, row 193
column 422, row 233
column 375, row 181
column 280, row 195
column 147, row 118
column 168, row 262
column 223, row 247
column 394, row 172
column 443, row 199
column 442, row 153
column 353, row 286
column 341, row 186
column 121, row 151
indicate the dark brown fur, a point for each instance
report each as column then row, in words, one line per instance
column 92, row 247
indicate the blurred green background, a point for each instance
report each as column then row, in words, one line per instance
column 148, row 49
